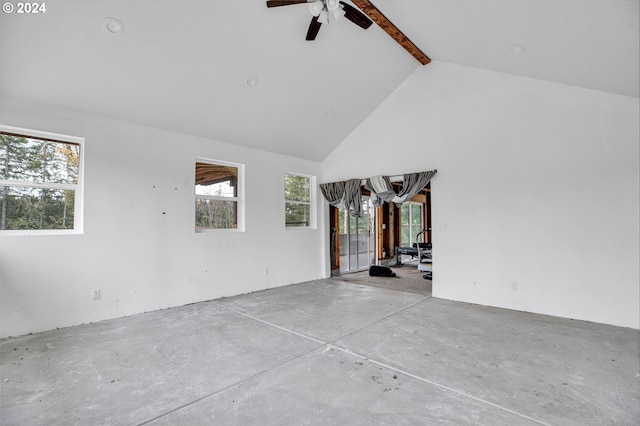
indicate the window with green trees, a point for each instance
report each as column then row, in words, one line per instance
column 217, row 190
column 410, row 223
column 39, row 181
column 298, row 201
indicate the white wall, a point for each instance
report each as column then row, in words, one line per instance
column 140, row 258
column 535, row 204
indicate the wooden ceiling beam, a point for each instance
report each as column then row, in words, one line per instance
column 208, row 174
column 383, row 22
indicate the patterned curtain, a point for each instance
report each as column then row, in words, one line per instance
column 346, row 194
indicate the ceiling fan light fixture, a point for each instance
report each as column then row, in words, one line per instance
column 315, row 7
column 323, row 18
column 332, row 4
column 338, row 13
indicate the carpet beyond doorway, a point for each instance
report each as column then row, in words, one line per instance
column 408, row 279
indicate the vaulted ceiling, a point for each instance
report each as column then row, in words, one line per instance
column 239, row 72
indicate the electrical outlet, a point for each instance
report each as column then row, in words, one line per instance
column 96, row 294
column 266, row 271
column 514, row 286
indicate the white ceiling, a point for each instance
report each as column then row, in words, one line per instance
column 184, row 65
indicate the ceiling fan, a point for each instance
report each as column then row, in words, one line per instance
column 322, row 9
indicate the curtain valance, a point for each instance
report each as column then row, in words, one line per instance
column 346, row 194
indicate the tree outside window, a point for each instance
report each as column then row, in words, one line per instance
column 410, row 223
column 297, row 206
column 39, row 183
column 217, row 196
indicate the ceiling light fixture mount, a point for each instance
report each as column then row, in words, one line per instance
column 113, row 26
column 517, row 48
column 252, row 81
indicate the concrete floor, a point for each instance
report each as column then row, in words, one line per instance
column 327, row 353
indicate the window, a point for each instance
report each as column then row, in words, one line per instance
column 299, row 192
column 40, row 182
column 410, row 223
column 356, row 237
column 218, row 195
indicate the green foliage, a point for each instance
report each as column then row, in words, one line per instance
column 297, row 188
column 297, row 214
column 297, row 193
column 27, row 160
column 359, row 225
column 410, row 222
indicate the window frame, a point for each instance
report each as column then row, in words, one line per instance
column 311, row 203
column 239, row 198
column 77, row 188
column 410, row 205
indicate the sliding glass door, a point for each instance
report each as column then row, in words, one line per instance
column 357, row 242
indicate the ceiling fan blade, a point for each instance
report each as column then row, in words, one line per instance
column 276, row 3
column 384, row 23
column 314, row 27
column 355, row 16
